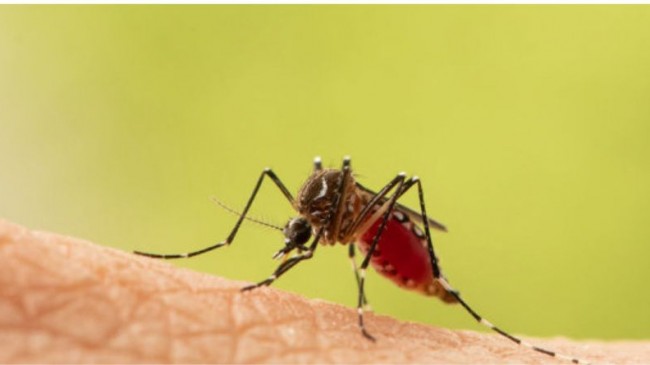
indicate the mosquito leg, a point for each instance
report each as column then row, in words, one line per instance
column 351, row 254
column 443, row 282
column 340, row 199
column 288, row 264
column 267, row 172
column 399, row 179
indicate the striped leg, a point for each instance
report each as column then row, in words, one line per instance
column 437, row 275
column 355, row 269
column 267, row 172
column 399, row 182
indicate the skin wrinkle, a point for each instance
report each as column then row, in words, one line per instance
column 70, row 301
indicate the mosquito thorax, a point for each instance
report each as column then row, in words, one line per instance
column 297, row 232
column 317, row 197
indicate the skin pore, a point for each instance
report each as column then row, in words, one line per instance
column 67, row 300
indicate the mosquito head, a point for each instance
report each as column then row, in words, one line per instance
column 297, row 232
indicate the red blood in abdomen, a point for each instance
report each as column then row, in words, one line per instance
column 402, row 249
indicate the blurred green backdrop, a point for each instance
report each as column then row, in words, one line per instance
column 529, row 126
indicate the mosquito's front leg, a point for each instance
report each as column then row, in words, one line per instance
column 288, row 264
column 267, row 172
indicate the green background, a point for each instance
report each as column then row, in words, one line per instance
column 529, row 126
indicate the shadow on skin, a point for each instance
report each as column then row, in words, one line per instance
column 67, row 300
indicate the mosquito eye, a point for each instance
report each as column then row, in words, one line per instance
column 297, row 231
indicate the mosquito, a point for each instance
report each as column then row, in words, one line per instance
column 334, row 208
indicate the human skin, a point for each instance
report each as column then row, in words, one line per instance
column 65, row 300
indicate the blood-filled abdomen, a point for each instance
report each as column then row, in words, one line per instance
column 402, row 256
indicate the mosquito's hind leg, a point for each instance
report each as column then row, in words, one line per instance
column 453, row 293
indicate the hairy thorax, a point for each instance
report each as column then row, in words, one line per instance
column 326, row 205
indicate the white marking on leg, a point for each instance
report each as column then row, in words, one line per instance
column 445, row 284
column 185, row 255
column 362, row 273
column 526, row 344
column 567, row 358
column 487, row 323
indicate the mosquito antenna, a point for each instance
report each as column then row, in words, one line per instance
column 254, row 220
